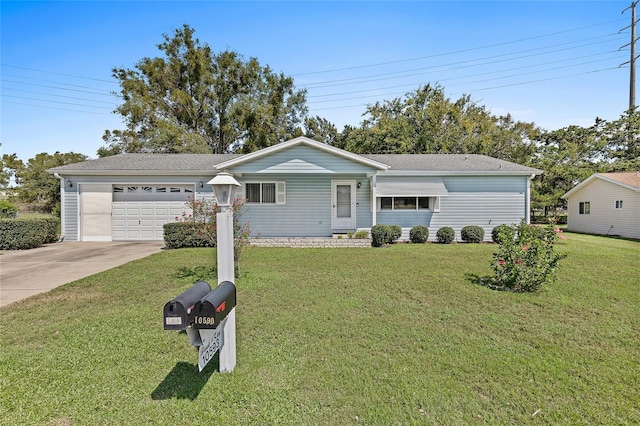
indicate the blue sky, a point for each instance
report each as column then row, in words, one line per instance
column 549, row 62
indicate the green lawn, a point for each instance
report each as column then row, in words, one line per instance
column 396, row 335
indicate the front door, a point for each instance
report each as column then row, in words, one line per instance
column 343, row 199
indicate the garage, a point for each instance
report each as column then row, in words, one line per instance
column 134, row 212
column 140, row 211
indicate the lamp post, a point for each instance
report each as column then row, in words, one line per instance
column 224, row 188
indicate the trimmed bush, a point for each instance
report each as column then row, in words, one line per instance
column 380, row 235
column 445, row 235
column 419, row 234
column 185, row 234
column 8, row 209
column 396, row 232
column 472, row 234
column 499, row 230
column 28, row 233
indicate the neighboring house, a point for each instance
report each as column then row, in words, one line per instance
column 605, row 204
column 298, row 188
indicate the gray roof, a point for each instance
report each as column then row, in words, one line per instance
column 184, row 164
column 465, row 163
column 137, row 163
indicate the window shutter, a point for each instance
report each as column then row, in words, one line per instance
column 436, row 204
column 281, row 188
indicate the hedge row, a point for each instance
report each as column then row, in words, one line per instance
column 387, row 234
column 27, row 233
column 184, row 235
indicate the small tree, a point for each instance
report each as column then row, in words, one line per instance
column 203, row 219
column 526, row 258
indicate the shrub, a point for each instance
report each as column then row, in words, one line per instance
column 495, row 232
column 419, row 234
column 396, row 232
column 361, row 235
column 526, row 259
column 445, row 235
column 8, row 209
column 472, row 234
column 185, row 234
column 380, row 235
column 20, row 234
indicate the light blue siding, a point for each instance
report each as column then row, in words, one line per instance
column 485, row 209
column 486, row 201
column 307, row 212
column 71, row 214
column 486, row 183
column 302, row 159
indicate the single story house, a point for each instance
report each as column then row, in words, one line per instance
column 605, row 204
column 298, row 188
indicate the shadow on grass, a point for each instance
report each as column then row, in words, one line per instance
column 184, row 381
column 488, row 281
column 199, row 273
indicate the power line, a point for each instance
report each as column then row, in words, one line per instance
column 468, row 61
column 456, row 51
column 58, row 73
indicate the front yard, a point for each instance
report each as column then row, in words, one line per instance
column 396, row 335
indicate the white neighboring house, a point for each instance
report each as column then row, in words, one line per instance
column 605, row 204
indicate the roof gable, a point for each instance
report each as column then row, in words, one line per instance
column 301, row 141
column 629, row 180
column 299, row 159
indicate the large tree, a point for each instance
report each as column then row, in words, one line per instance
column 195, row 100
column 39, row 186
column 425, row 121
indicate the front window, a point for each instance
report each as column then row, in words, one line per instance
column 265, row 192
column 404, row 203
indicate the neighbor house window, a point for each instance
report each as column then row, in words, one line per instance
column 584, row 207
column 265, row 192
column 619, row 204
column 404, row 203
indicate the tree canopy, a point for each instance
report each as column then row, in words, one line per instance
column 427, row 122
column 36, row 185
column 195, row 100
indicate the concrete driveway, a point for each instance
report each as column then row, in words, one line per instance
column 24, row 273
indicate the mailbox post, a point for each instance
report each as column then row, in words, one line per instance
column 209, row 315
column 224, row 187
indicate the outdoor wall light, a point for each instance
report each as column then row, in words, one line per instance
column 69, row 183
column 224, row 187
column 359, row 185
column 201, row 183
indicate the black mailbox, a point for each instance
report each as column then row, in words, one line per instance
column 215, row 306
column 178, row 312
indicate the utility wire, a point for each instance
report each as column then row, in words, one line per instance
column 457, row 51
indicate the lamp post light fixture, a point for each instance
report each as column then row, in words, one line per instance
column 224, row 188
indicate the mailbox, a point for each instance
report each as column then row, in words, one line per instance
column 214, row 307
column 178, row 312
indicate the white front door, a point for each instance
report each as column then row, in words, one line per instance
column 343, row 200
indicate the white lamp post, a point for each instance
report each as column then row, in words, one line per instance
column 224, row 188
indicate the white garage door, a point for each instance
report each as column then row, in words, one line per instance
column 140, row 211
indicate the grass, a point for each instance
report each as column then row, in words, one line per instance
column 397, row 335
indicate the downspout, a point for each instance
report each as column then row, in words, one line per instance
column 527, row 212
column 62, row 207
column 373, row 200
